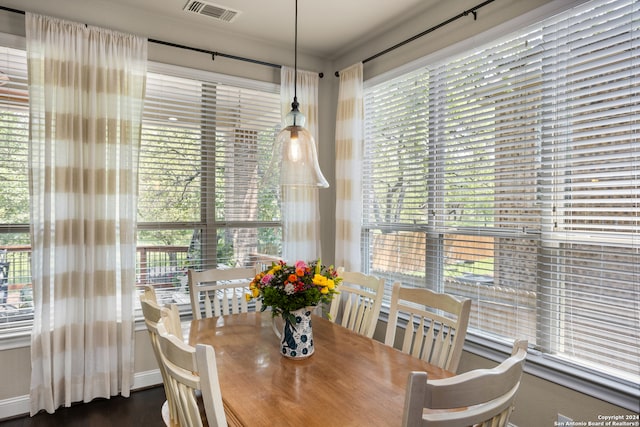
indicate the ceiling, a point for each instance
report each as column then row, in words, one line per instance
column 326, row 28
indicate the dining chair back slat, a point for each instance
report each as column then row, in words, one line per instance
column 436, row 325
column 482, row 397
column 220, row 291
column 357, row 307
column 192, row 375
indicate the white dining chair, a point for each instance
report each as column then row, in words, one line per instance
column 152, row 313
column 220, row 291
column 479, row 398
column 193, row 382
column 436, row 325
column 357, row 307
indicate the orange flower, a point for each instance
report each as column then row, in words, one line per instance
column 292, row 278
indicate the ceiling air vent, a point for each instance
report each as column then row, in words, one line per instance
column 211, row 10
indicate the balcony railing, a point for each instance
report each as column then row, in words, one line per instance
column 163, row 267
column 15, row 274
column 16, row 298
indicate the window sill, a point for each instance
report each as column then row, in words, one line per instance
column 21, row 339
column 607, row 388
column 15, row 340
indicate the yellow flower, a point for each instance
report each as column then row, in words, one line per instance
column 254, row 291
column 331, row 284
column 324, row 290
column 248, row 297
column 319, row 280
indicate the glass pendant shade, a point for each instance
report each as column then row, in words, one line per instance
column 299, row 158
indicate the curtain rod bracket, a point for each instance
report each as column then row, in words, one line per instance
column 474, row 12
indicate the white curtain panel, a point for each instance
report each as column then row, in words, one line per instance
column 300, row 206
column 86, row 90
column 349, row 147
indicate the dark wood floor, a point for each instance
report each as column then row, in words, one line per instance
column 141, row 409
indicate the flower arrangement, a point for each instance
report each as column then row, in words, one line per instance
column 286, row 288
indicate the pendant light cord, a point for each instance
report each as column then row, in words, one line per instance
column 295, row 58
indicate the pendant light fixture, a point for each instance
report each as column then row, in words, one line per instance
column 298, row 154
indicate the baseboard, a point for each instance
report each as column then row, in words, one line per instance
column 14, row 407
column 146, row 379
column 20, row 406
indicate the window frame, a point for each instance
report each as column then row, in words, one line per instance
column 209, row 223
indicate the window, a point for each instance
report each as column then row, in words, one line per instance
column 509, row 174
column 15, row 250
column 206, row 140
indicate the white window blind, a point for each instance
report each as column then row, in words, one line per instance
column 206, row 141
column 520, row 187
column 590, row 156
column 16, row 311
column 487, row 136
column 395, row 169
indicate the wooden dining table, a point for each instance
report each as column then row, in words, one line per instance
column 350, row 380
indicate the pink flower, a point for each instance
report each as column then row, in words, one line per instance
column 301, row 268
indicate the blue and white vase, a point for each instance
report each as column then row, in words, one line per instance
column 297, row 337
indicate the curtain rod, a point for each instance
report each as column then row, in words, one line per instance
column 214, row 54
column 196, row 49
column 472, row 11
